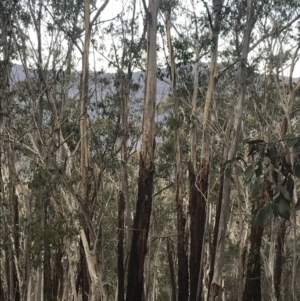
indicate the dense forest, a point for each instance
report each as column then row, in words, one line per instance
column 150, row 150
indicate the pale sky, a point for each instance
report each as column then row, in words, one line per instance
column 113, row 8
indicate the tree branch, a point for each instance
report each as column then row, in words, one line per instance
column 100, row 10
column 163, row 189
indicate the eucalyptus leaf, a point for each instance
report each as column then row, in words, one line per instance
column 263, row 215
column 285, row 193
column 257, row 185
column 297, row 170
column 252, row 149
column 258, row 168
column 248, row 173
column 284, row 209
column 272, row 153
column 228, row 172
column 290, row 185
column 275, row 209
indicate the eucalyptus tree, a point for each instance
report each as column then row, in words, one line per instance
column 182, row 256
column 9, row 221
column 198, row 217
column 146, row 165
column 125, row 56
column 287, row 99
column 218, row 265
column 96, row 290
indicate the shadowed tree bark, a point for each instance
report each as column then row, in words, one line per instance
column 252, row 291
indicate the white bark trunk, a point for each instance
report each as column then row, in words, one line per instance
column 96, row 289
column 238, row 112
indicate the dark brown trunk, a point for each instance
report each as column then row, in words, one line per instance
column 183, row 275
column 58, row 277
column 6, row 263
column 15, row 209
column 82, row 278
column 279, row 244
column 216, row 228
column 172, row 269
column 214, row 292
column 121, row 209
column 197, row 209
column 2, row 291
column 252, row 291
column 47, row 260
column 140, row 233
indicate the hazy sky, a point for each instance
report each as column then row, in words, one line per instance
column 113, row 8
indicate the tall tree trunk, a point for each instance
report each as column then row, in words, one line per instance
column 242, row 243
column 58, row 275
column 280, row 227
column 172, row 270
column 123, row 193
column 196, row 220
column 252, row 291
column 44, row 289
column 199, row 184
column 123, row 186
column 146, row 167
column 11, row 228
column 217, row 219
column 96, row 291
column 182, row 257
column 238, row 113
column 11, row 225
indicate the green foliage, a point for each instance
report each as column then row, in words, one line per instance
column 43, row 178
column 274, row 175
column 263, row 215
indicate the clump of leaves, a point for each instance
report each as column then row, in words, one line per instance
column 271, row 174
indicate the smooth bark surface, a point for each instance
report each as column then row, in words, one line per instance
column 182, row 272
column 238, row 113
column 142, row 216
column 200, row 189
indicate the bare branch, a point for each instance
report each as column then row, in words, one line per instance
column 209, row 16
column 100, row 10
column 145, row 7
column 163, row 189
